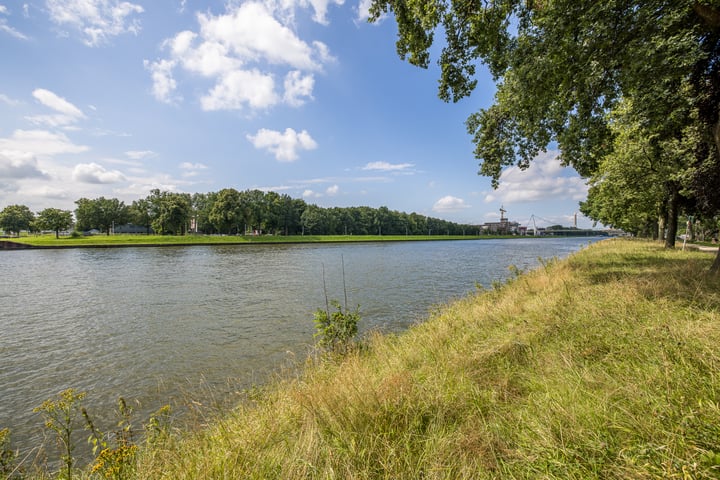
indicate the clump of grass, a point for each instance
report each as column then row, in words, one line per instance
column 600, row 366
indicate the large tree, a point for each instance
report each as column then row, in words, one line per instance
column 100, row 213
column 227, row 212
column 55, row 219
column 170, row 212
column 14, row 218
column 562, row 65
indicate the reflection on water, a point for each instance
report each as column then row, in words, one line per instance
column 149, row 324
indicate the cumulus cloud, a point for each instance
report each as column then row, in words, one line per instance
column 163, row 82
column 388, row 167
column 363, row 10
column 96, row 20
column 94, row 173
column 239, row 88
column 545, row 179
column 283, row 145
column 19, row 166
column 298, row 87
column 242, row 52
column 67, row 113
column 332, row 191
column 450, row 204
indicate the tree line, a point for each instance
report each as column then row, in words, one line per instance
column 229, row 212
column 629, row 90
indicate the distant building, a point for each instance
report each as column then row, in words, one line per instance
column 503, row 227
column 131, row 228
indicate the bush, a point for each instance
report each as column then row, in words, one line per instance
column 336, row 330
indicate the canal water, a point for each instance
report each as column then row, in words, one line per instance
column 176, row 324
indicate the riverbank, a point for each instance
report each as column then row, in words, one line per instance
column 601, row 366
column 125, row 240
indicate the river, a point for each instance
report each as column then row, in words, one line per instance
column 171, row 324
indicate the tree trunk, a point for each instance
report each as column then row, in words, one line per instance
column 715, row 268
column 672, row 215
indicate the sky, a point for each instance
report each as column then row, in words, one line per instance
column 302, row 97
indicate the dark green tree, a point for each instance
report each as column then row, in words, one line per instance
column 560, row 66
column 171, row 212
column 100, row 213
column 140, row 213
column 14, row 218
column 54, row 219
column 227, row 212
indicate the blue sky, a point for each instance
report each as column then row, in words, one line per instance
column 304, row 97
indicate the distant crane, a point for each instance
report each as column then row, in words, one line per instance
column 502, row 213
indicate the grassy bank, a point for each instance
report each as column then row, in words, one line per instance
column 49, row 241
column 601, row 366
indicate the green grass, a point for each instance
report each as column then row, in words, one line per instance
column 602, row 366
column 138, row 240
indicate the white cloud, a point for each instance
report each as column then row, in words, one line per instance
column 191, row 169
column 163, row 82
column 298, row 86
column 545, row 179
column 4, row 27
column 140, row 154
column 243, row 51
column 283, row 145
column 192, row 166
column 239, row 88
column 57, row 103
column 96, row 20
column 450, row 204
column 9, row 101
column 20, row 166
column 332, row 191
column 363, row 10
column 94, row 173
column 38, row 142
column 321, row 8
column 311, row 194
column 387, row 167
column 66, row 115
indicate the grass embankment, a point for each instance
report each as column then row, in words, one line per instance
column 49, row 241
column 601, row 366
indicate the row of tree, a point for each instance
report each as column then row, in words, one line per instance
column 228, row 211
column 628, row 89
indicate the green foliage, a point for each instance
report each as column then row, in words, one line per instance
column 54, row 219
column 114, row 453
column 7, row 455
column 158, row 427
column 170, row 212
column 100, row 213
column 14, row 218
column 60, row 415
column 335, row 330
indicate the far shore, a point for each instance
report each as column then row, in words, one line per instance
column 124, row 240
